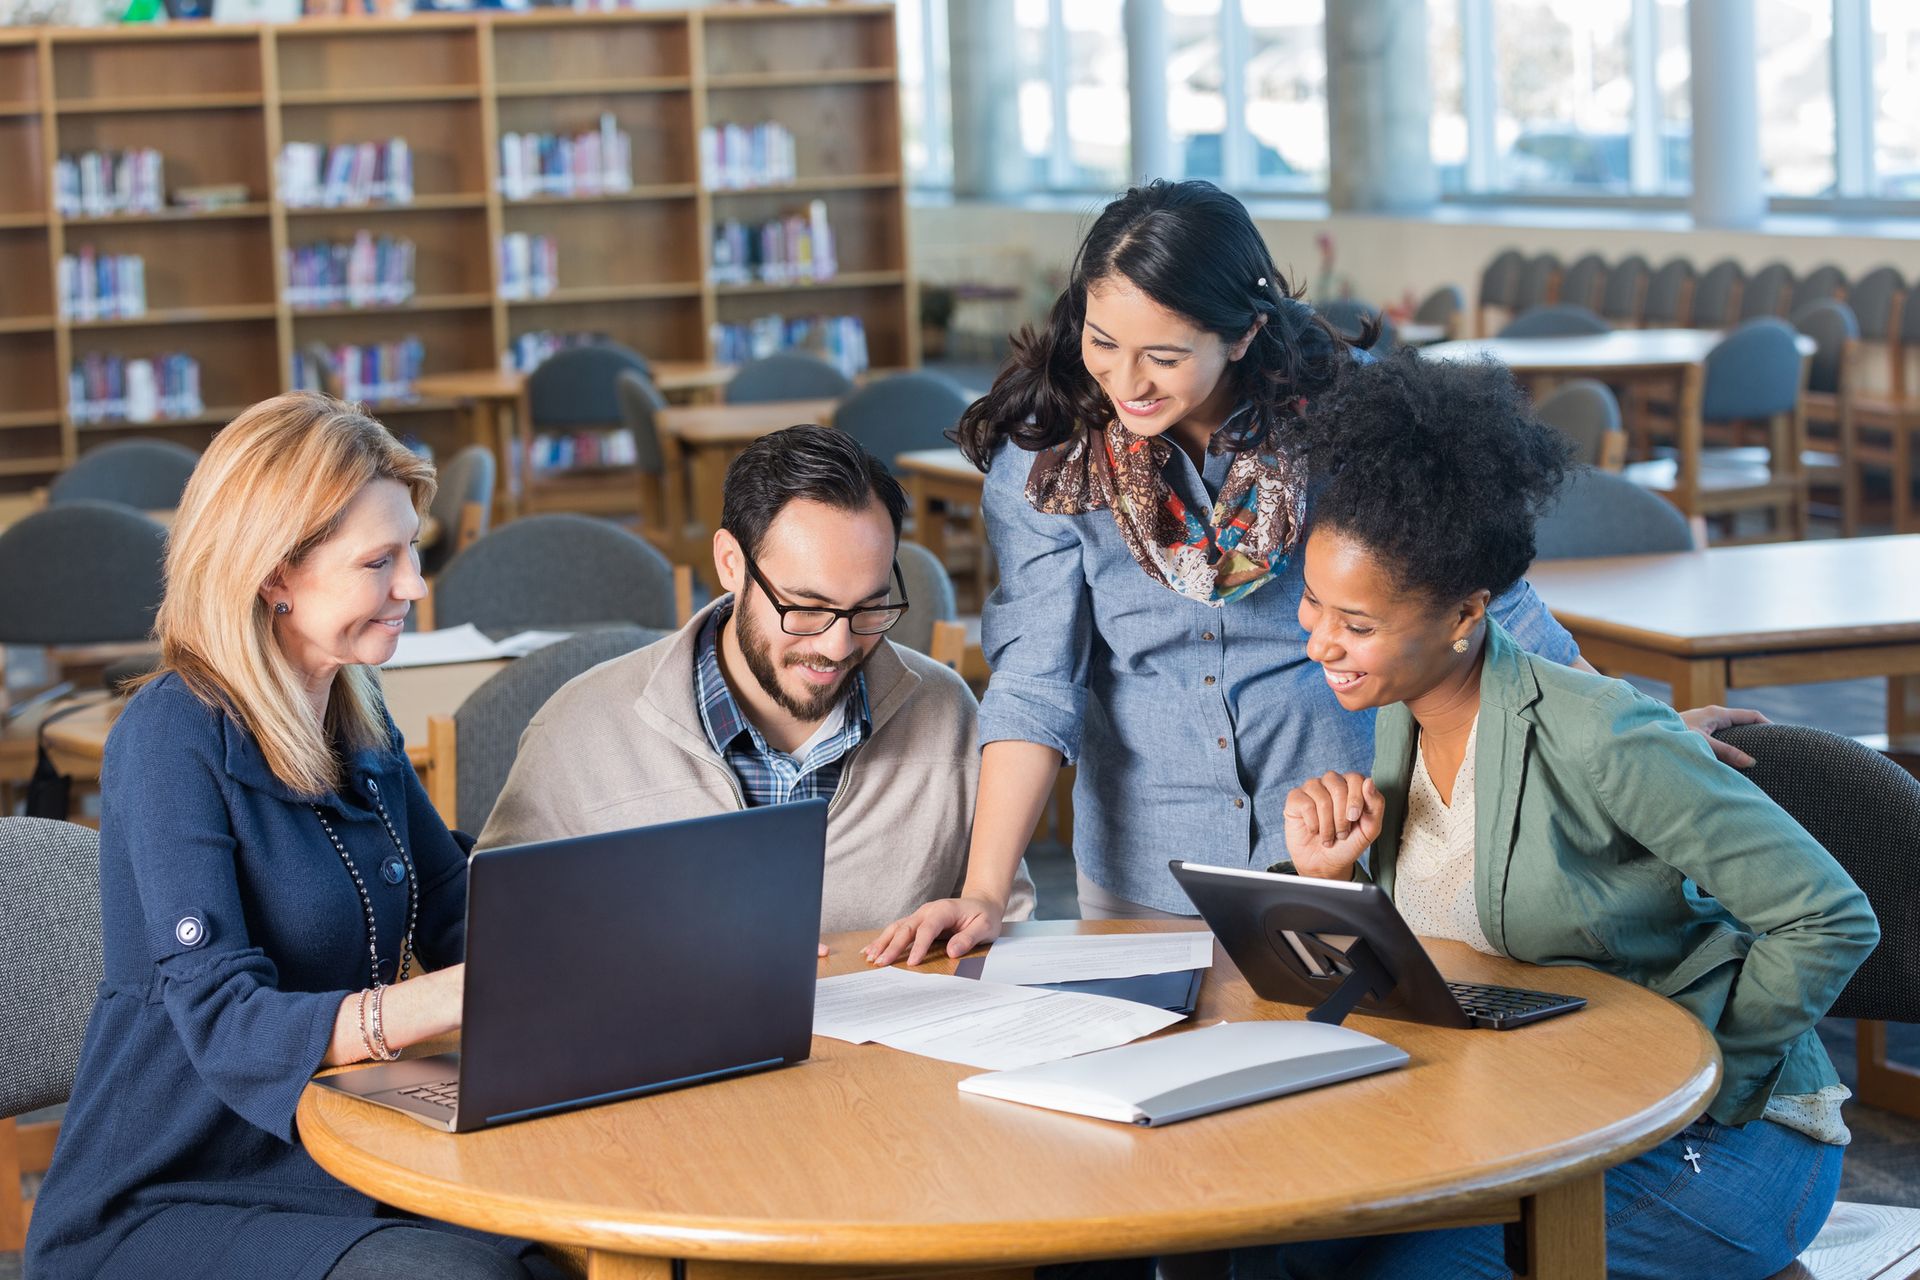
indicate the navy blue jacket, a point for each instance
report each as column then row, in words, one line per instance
column 232, row 934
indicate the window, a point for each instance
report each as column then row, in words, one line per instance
column 1073, row 93
column 1286, row 92
column 1895, row 38
column 926, row 97
column 1793, row 40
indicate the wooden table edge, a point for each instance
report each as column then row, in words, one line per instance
column 1494, row 1197
column 1827, row 640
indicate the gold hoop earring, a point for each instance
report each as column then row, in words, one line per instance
column 1460, row 645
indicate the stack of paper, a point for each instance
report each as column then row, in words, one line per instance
column 465, row 644
column 1080, row 957
column 981, row 1024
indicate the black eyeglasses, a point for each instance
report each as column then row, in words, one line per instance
column 813, row 619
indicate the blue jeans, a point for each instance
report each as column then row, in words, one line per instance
column 1760, row 1195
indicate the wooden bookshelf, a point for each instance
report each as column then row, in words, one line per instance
column 219, row 102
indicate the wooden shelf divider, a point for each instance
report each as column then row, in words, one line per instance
column 220, row 102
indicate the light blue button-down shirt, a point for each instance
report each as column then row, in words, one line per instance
column 1188, row 724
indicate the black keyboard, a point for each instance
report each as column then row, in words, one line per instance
column 1503, row 1008
column 443, row 1093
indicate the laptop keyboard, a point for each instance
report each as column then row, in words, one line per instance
column 442, row 1093
column 1504, row 1007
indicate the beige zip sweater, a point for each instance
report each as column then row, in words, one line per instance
column 622, row 746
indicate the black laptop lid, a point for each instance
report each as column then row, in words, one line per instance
column 636, row 960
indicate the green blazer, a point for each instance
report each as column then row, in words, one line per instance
column 1606, row 834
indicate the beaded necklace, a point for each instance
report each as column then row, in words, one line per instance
column 366, row 899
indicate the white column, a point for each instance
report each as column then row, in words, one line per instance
column 984, row 70
column 1152, row 144
column 1729, row 189
column 1378, row 114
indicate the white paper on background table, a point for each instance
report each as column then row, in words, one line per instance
column 1077, row 958
column 464, row 644
column 981, row 1024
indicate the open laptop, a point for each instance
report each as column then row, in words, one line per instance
column 1340, row 946
column 609, row 966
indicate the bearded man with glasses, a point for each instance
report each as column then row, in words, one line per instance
column 785, row 688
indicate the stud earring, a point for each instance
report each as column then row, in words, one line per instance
column 283, row 608
column 1460, row 645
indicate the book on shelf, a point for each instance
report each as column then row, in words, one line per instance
column 102, row 286
column 367, row 271
column 582, row 450
column 370, row 372
column 529, row 265
column 107, row 387
column 99, row 184
column 530, row 350
column 312, row 175
column 795, row 248
column 839, row 340
column 737, row 157
column 596, row 162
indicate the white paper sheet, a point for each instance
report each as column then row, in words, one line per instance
column 1031, row 961
column 464, row 644
column 981, row 1024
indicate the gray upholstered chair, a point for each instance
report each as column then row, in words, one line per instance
column 1499, row 287
column 1716, row 296
column 1768, row 291
column 1539, row 282
column 462, row 505
column 1624, row 292
column 1821, row 284
column 1602, row 514
column 786, row 375
column 1444, row 306
column 556, row 572
column 901, row 413
column 1883, row 404
column 1874, row 298
column 50, row 966
column 472, row 750
column 1669, row 299
column 1583, row 282
column 574, row 387
column 929, row 597
column 1556, row 320
column 640, row 406
column 1587, row 413
column 147, row 475
column 115, row 551
column 1829, row 458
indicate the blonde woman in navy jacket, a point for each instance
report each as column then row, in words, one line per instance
column 1559, row 817
column 271, row 877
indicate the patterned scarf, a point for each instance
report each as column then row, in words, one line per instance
column 1256, row 521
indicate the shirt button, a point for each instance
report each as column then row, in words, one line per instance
column 1239, row 802
column 1222, row 743
column 1209, row 679
column 1206, row 635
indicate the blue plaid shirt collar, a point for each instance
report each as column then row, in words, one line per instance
column 769, row 776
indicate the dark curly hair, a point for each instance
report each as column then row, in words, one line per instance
column 1439, row 468
column 1193, row 249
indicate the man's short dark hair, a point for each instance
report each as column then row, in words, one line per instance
column 818, row 464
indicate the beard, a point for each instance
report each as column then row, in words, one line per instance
column 760, row 661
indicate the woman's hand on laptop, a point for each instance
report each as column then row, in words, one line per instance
column 1330, row 821
column 969, row 922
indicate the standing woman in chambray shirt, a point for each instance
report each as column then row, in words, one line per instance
column 1146, row 512
column 273, row 882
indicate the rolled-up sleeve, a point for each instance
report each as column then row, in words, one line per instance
column 1037, row 628
column 253, row 1044
column 1524, row 614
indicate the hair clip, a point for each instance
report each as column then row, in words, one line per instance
column 1261, row 282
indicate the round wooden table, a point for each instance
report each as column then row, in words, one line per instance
column 868, row 1161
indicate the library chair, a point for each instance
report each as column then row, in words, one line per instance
column 1881, row 413
column 1499, row 289
column 1583, row 282
column 1539, row 282
column 1716, row 296
column 1669, row 296
column 1624, row 292
column 1556, row 320
column 1822, row 284
column 574, row 387
column 81, row 573
column 470, row 752
column 1445, row 306
column 50, row 956
column 462, row 506
column 1350, row 317
column 1753, row 375
column 147, row 475
column 902, row 412
column 1599, row 513
column 786, row 375
column 1767, row 293
column 1831, row 325
column 929, row 596
column 559, row 572
column 1586, row 413
column 640, row 404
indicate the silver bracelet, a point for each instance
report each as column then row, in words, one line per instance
column 381, row 1050
column 365, row 1039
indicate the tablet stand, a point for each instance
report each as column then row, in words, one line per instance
column 1368, row 977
